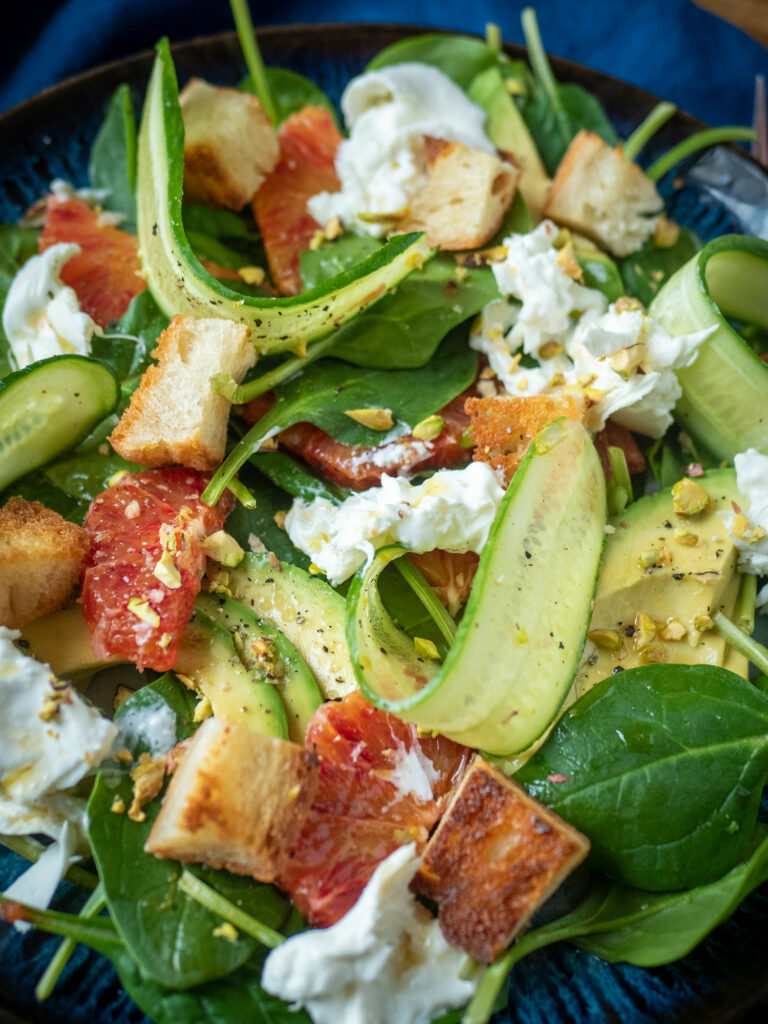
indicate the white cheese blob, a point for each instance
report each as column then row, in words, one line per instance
column 453, row 510
column 621, row 361
column 751, row 538
column 384, row 962
column 42, row 756
column 383, row 162
column 42, row 315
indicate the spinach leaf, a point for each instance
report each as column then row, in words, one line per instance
column 113, row 157
column 168, row 934
column 645, row 271
column 36, row 487
column 260, row 522
column 223, row 237
column 405, row 327
column 128, row 348
column 17, row 245
column 600, row 272
column 553, row 128
column 291, row 92
column 664, row 766
column 325, row 390
column 461, row 58
column 292, row 476
column 81, row 477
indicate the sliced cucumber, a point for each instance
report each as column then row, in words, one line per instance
column 178, row 281
column 725, row 391
column 518, row 645
column 49, row 407
column 303, row 607
column 294, row 682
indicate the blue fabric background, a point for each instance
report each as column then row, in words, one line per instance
column 671, row 47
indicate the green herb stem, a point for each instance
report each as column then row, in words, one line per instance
column 99, row 934
column 218, row 904
column 483, row 1002
column 620, row 488
column 542, row 71
column 742, row 643
column 241, row 492
column 93, row 905
column 700, row 140
column 252, row 54
column 647, row 128
column 428, row 598
column 493, row 36
column 745, row 610
column 32, row 851
column 287, row 369
column 225, row 474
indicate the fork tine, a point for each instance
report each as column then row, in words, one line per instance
column 760, row 122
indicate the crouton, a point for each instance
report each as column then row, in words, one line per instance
column 41, row 557
column 175, row 415
column 230, row 145
column 600, row 193
column 237, row 800
column 503, row 427
column 495, row 857
column 465, row 197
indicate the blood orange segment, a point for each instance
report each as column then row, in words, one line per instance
column 380, row 786
column 613, row 435
column 145, row 562
column 449, row 573
column 106, row 274
column 308, row 143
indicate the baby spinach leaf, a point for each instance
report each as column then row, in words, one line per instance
column 290, row 93
column 292, row 476
column 223, row 237
column 168, row 934
column 553, row 130
column 259, row 522
column 128, row 348
column 113, row 157
column 458, row 57
column 405, row 327
column 663, row 769
column 600, row 272
column 17, row 245
column 645, row 271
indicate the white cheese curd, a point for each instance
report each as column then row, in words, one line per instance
column 621, row 361
column 452, row 510
column 42, row 315
column 62, row 190
column 384, row 962
column 37, row 885
column 49, row 740
column 383, row 162
column 749, row 529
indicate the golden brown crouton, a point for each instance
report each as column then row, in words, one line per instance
column 605, row 196
column 237, row 800
column 503, row 427
column 465, row 197
column 41, row 556
column 496, row 856
column 230, row 145
column 175, row 415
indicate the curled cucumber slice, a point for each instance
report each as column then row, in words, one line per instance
column 518, row 645
column 48, row 408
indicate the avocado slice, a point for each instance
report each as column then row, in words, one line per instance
column 63, row 641
column 661, row 569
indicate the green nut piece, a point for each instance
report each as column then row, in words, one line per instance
column 690, row 498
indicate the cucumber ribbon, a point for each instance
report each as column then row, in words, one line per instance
column 519, row 642
column 180, row 284
column 725, row 391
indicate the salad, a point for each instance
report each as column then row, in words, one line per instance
column 409, row 470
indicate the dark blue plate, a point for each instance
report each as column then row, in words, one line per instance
column 726, row 978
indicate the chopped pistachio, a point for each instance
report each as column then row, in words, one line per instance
column 121, row 696
column 645, row 631
column 315, row 570
column 673, row 630
column 118, row 805
column 550, row 349
column 690, row 498
column 147, row 779
column 703, row 623
column 606, row 639
column 202, row 710
column 429, row 428
column 121, row 474
column 627, row 360
column 300, row 350
column 252, row 275
column 654, row 654
column 124, row 756
column 567, row 261
column 374, row 419
column 648, row 558
column 165, row 640
column 666, row 234
column 226, row 931
column 460, row 273
column 425, row 648
column 682, row 536
column 628, row 304
column 223, row 548
column 167, row 571
column 665, row 557
column 279, row 518
column 140, row 607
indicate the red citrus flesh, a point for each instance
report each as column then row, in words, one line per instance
column 380, row 786
column 106, row 274
column 132, row 525
column 450, row 574
column 308, row 143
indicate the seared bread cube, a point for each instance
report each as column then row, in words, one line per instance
column 41, row 557
column 465, row 197
column 237, row 800
column 175, row 415
column 496, row 856
column 600, row 193
column 230, row 145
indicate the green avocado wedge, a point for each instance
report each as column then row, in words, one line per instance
column 725, row 391
column 176, row 277
column 518, row 645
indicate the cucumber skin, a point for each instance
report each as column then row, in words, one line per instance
column 54, row 437
column 725, row 391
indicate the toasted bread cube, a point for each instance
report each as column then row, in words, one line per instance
column 230, row 145
column 237, row 800
column 503, row 427
column 465, row 197
column 41, row 558
column 175, row 415
column 599, row 192
column 496, row 856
